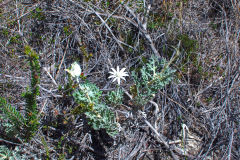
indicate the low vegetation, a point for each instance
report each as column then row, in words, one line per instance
column 119, row 79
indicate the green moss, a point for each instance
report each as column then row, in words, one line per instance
column 38, row 14
column 200, row 69
column 189, row 45
column 218, row 68
column 46, row 148
column 144, row 60
column 4, row 32
column 198, row 104
column 170, row 15
column 70, row 149
column 61, row 156
column 209, row 99
column 213, row 25
column 156, row 21
column 67, row 30
column 178, row 4
column 15, row 39
column 105, row 4
column 113, row 20
column 51, row 41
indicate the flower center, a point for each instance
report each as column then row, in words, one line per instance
column 118, row 74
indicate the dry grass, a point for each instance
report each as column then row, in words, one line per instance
column 204, row 96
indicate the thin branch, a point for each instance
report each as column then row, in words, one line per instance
column 143, row 30
column 109, row 29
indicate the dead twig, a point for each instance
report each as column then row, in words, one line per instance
column 143, row 29
column 160, row 139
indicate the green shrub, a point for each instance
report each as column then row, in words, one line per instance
column 6, row 154
column 153, row 76
column 31, row 93
column 115, row 97
column 28, row 123
column 99, row 115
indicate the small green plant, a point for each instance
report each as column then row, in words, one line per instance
column 67, row 30
column 155, row 75
column 86, row 56
column 12, row 114
column 61, row 156
column 103, row 118
column 115, row 97
column 38, row 14
column 11, row 120
column 60, row 142
column 46, row 148
column 31, row 94
column 28, row 123
column 99, row 115
column 15, row 39
column 5, row 32
column 9, row 129
column 213, row 25
column 188, row 44
column 88, row 97
column 6, row 154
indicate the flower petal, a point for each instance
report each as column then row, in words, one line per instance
column 112, row 76
column 112, row 73
column 118, row 81
column 118, row 74
column 114, row 79
column 113, row 70
column 117, row 68
column 124, row 74
column 123, row 78
column 122, row 70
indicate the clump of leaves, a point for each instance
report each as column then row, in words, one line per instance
column 102, row 118
column 27, row 124
column 31, row 94
column 6, row 154
column 154, row 75
column 38, row 14
column 9, row 118
column 86, row 96
column 67, row 30
column 98, row 114
column 12, row 114
column 15, row 39
column 115, row 97
column 188, row 44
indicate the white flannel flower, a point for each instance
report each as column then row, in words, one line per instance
column 75, row 70
column 118, row 75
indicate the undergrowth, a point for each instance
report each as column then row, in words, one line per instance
column 84, row 114
column 27, row 124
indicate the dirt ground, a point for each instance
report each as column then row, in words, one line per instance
column 195, row 116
